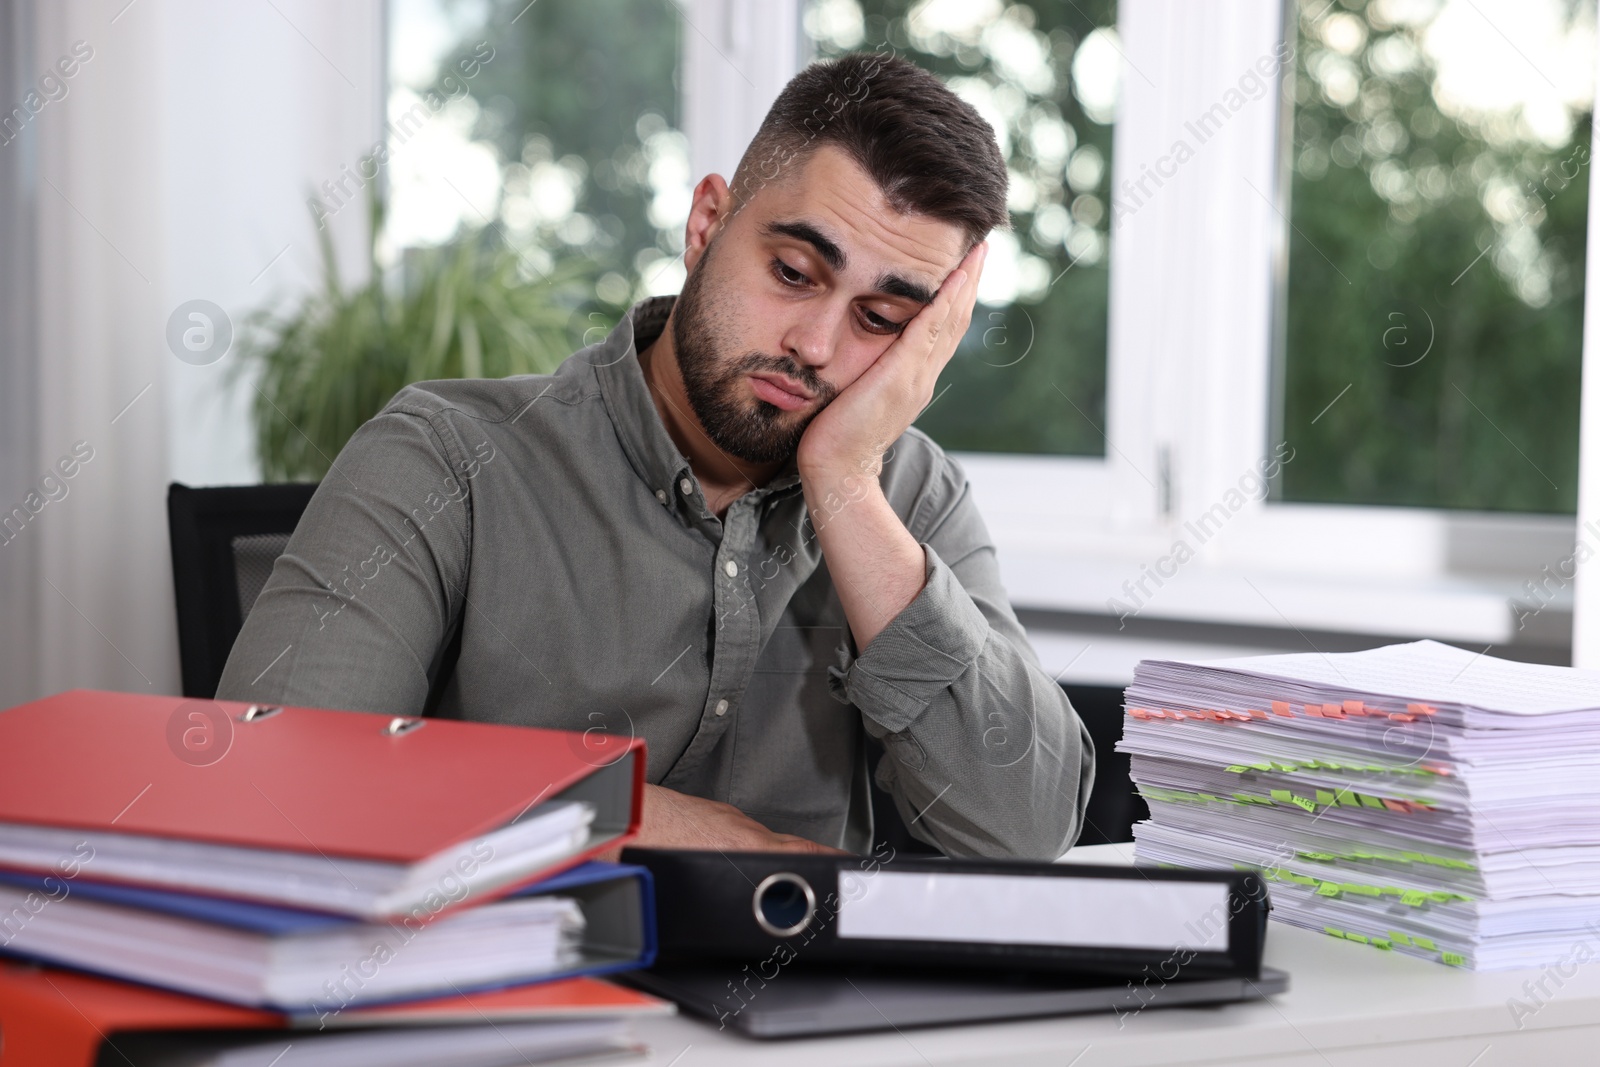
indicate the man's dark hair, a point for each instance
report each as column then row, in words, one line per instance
column 929, row 151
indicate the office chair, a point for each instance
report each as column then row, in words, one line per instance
column 224, row 542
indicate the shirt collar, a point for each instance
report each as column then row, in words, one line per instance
column 650, row 449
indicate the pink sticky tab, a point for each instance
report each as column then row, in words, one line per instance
column 1332, row 711
column 1354, row 707
column 1255, row 714
column 1314, row 709
column 1398, row 716
column 1421, row 709
column 1139, row 713
column 1281, row 707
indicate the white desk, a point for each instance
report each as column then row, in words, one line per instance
column 1347, row 1005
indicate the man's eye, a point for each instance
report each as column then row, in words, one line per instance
column 787, row 274
column 878, row 324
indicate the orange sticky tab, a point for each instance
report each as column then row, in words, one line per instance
column 1254, row 713
column 1281, row 707
column 1139, row 713
column 1396, row 805
column 1399, row 716
column 1314, row 710
column 1354, row 707
column 1421, row 709
column 1437, row 768
column 1332, row 711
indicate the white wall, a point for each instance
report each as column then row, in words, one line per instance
column 177, row 166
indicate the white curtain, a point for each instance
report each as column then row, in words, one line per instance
column 172, row 163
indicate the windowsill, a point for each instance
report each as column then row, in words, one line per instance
column 1214, row 613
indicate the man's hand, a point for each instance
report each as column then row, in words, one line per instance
column 676, row 820
column 851, row 434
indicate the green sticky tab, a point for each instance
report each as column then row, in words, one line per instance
column 1415, row 897
column 1302, row 802
column 1285, row 767
column 1361, row 938
column 1452, row 958
column 1244, row 798
column 1328, row 889
column 1393, row 891
column 1346, row 798
column 1441, row 896
column 1282, row 796
column 1324, row 797
column 1299, row 879
column 1237, row 768
column 1326, row 856
column 1414, row 857
column 1261, row 766
column 1361, row 890
column 1331, row 932
column 1422, row 942
column 1382, row 942
column 1370, row 801
column 1396, row 935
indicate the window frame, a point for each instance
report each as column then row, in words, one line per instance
column 1182, row 431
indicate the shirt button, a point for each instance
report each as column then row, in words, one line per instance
column 661, row 495
column 686, row 486
column 722, row 707
column 732, row 568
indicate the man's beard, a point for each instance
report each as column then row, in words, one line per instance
column 738, row 423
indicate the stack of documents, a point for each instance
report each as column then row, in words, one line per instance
column 1416, row 798
column 318, row 865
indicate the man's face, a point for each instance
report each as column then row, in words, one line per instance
column 802, row 290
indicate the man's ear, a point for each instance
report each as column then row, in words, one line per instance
column 708, row 213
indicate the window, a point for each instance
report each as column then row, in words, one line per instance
column 1031, row 374
column 565, row 135
column 1439, row 210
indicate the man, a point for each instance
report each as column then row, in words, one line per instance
column 715, row 529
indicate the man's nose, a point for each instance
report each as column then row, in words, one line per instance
column 809, row 340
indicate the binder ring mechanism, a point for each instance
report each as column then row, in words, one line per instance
column 784, row 904
column 398, row 727
column 257, row 712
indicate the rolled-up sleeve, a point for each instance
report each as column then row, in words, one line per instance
column 985, row 755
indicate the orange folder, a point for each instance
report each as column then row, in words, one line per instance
column 54, row 1018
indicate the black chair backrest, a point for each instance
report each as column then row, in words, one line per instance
column 224, row 542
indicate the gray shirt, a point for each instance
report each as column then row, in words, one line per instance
column 552, row 521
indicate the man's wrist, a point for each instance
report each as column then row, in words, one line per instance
column 829, row 492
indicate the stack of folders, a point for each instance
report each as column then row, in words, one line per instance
column 1415, row 798
column 334, row 871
